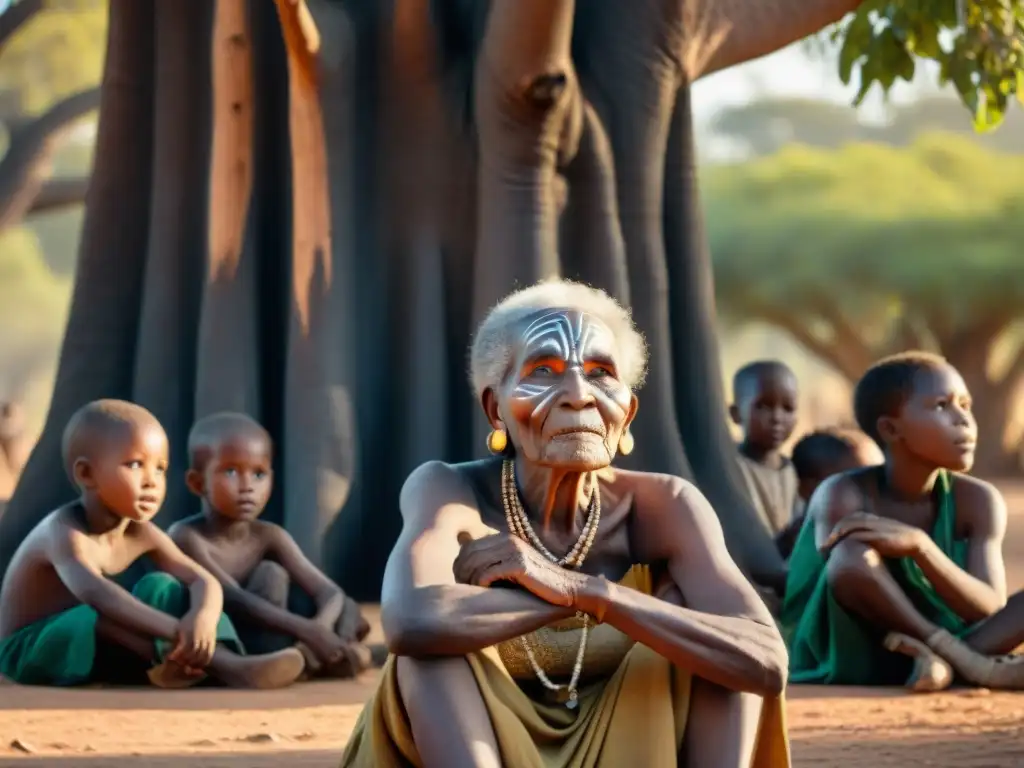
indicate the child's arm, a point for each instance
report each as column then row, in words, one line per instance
column 206, row 596
column 980, row 590
column 973, row 594
column 328, row 596
column 238, row 599
column 72, row 554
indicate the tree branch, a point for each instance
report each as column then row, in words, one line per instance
column 855, row 350
column 907, row 335
column 593, row 249
column 1014, row 374
column 311, row 197
column 231, row 156
column 301, row 36
column 846, row 360
column 26, row 165
column 528, row 111
column 57, row 194
column 16, row 16
column 723, row 33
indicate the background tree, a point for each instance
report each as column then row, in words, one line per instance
column 311, row 234
column 51, row 55
column 50, row 59
column 868, row 250
column 766, row 125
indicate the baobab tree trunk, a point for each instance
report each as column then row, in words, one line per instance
column 307, row 224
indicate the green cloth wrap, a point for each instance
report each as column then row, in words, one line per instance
column 61, row 649
column 828, row 645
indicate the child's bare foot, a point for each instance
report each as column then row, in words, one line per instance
column 172, row 676
column 357, row 658
column 312, row 662
column 270, row 670
column 930, row 673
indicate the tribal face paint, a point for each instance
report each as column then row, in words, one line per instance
column 563, row 396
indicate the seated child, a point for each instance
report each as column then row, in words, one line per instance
column 257, row 562
column 764, row 407
column 900, row 577
column 817, row 456
column 56, row 604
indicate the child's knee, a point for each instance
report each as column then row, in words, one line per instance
column 270, row 581
column 851, row 562
column 159, row 584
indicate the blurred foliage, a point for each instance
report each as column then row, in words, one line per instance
column 33, row 308
column 927, row 237
column 59, row 232
column 57, row 53
column 764, row 126
column 978, row 45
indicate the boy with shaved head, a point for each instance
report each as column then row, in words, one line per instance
column 258, row 563
column 57, row 604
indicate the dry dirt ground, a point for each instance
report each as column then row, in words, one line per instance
column 306, row 726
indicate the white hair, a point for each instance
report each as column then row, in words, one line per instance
column 490, row 355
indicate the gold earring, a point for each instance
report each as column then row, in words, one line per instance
column 497, row 441
column 626, row 443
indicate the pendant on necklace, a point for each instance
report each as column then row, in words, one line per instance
column 573, row 701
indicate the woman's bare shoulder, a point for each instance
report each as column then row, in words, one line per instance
column 436, row 489
column 648, row 489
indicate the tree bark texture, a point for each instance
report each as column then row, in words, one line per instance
column 306, row 224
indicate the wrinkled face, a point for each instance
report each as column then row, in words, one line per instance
column 563, row 403
column 766, row 409
column 936, row 423
column 238, row 477
column 129, row 471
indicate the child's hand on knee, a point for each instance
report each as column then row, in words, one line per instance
column 324, row 643
column 197, row 640
column 352, row 626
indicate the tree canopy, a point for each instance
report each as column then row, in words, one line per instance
column 933, row 230
column 978, row 45
column 58, row 52
column 34, row 304
column 764, row 126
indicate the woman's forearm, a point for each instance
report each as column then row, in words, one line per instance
column 740, row 654
column 453, row 620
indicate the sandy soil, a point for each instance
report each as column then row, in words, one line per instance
column 306, row 726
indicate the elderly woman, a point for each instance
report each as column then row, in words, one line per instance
column 544, row 609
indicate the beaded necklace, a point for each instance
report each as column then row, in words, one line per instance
column 519, row 525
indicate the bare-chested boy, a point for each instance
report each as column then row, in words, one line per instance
column 903, row 579
column 764, row 407
column 257, row 562
column 57, row 604
column 818, row 456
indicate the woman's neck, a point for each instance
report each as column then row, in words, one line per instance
column 552, row 496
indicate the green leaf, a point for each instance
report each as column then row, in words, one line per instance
column 884, row 39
